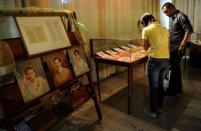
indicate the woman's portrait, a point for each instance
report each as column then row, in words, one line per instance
column 59, row 68
column 78, row 60
column 31, row 79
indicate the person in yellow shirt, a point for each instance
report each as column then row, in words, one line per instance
column 155, row 41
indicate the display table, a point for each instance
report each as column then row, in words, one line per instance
column 120, row 56
column 195, row 53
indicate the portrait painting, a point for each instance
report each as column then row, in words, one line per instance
column 78, row 60
column 59, row 68
column 31, row 79
column 7, row 65
column 57, row 103
column 5, row 52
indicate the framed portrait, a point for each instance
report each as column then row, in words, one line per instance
column 42, row 33
column 59, row 68
column 78, row 60
column 57, row 103
column 31, row 79
column 7, row 65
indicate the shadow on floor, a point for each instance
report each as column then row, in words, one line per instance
column 176, row 110
column 172, row 109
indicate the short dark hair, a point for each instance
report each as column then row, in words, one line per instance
column 168, row 5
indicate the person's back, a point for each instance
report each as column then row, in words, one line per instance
column 157, row 37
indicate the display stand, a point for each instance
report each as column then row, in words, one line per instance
column 123, row 53
column 21, row 112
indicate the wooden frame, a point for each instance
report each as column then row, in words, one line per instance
column 33, row 111
column 59, row 68
column 7, row 65
column 42, row 33
column 31, row 79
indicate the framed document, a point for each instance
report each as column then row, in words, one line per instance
column 42, row 33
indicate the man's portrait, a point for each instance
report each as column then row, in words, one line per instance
column 31, row 79
column 78, row 60
column 59, row 68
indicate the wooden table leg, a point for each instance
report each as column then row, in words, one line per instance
column 98, row 82
column 94, row 97
column 130, row 78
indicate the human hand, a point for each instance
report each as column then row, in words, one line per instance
column 181, row 49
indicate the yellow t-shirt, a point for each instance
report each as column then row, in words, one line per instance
column 158, row 38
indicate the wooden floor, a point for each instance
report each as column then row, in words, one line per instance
column 182, row 112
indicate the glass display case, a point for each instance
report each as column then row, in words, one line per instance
column 124, row 53
column 195, row 50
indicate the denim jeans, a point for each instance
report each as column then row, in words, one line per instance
column 157, row 69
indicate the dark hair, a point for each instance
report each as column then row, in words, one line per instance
column 168, row 5
column 145, row 19
column 76, row 51
column 57, row 58
column 29, row 67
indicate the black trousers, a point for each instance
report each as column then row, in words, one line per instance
column 175, row 85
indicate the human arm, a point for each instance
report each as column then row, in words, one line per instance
column 145, row 44
column 187, row 27
column 184, row 41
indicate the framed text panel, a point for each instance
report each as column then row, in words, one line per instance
column 42, row 33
